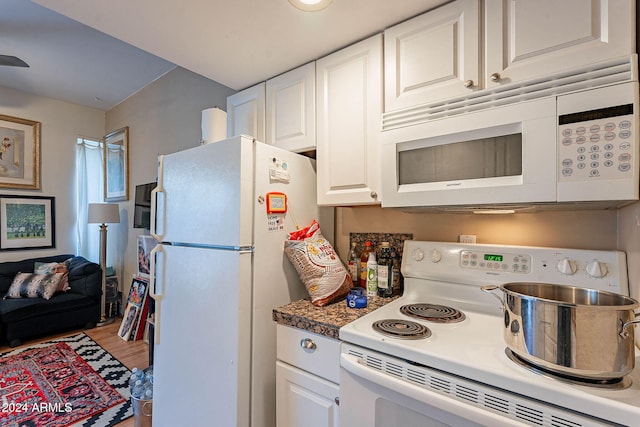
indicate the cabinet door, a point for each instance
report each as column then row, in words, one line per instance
column 527, row 39
column 303, row 399
column 245, row 113
column 433, row 56
column 349, row 108
column 291, row 109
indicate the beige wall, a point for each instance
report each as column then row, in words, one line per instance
column 61, row 124
column 164, row 117
column 596, row 229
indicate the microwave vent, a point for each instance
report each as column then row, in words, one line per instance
column 602, row 74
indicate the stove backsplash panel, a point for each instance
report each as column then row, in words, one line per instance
column 396, row 240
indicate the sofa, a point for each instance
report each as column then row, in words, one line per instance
column 76, row 307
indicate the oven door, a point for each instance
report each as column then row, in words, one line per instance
column 370, row 398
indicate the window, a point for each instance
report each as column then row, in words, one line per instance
column 89, row 184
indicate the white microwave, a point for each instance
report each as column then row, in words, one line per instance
column 564, row 149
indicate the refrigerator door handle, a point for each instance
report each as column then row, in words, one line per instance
column 157, row 297
column 154, row 196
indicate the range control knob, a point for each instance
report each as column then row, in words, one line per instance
column 567, row 266
column 596, row 269
column 436, row 256
column 418, row 254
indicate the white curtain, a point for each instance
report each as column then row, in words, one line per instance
column 89, row 183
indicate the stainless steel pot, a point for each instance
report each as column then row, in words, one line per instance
column 569, row 330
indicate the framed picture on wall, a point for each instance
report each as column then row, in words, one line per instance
column 19, row 153
column 116, row 165
column 27, row 222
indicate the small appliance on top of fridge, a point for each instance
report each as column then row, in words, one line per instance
column 221, row 213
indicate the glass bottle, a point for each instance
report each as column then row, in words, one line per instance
column 397, row 277
column 364, row 257
column 352, row 264
column 385, row 271
column 372, row 275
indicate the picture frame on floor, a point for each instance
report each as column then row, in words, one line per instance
column 128, row 321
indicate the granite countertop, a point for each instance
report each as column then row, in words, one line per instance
column 325, row 320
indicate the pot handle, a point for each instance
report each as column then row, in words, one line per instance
column 624, row 334
column 489, row 289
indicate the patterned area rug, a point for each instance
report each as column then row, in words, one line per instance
column 70, row 381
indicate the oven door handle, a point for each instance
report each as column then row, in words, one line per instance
column 437, row 400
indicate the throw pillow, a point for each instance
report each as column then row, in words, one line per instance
column 55, row 267
column 31, row 285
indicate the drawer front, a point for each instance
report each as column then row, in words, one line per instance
column 311, row 352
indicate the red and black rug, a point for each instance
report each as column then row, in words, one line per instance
column 71, row 381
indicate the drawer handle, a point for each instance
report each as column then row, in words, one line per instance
column 337, row 400
column 307, row 344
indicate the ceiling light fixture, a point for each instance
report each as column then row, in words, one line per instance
column 311, row 5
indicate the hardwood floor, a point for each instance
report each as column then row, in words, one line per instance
column 130, row 353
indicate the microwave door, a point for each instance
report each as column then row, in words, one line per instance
column 491, row 157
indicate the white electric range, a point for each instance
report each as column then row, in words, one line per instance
column 458, row 374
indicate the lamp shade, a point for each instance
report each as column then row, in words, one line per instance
column 103, row 213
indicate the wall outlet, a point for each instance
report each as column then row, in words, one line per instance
column 467, row 238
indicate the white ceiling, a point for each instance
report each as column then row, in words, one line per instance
column 235, row 42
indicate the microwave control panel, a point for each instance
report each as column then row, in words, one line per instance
column 596, row 144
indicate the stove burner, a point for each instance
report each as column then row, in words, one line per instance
column 610, row 384
column 433, row 313
column 403, row 329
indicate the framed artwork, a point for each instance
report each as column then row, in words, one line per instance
column 27, row 222
column 132, row 326
column 116, row 165
column 128, row 321
column 19, row 153
column 145, row 246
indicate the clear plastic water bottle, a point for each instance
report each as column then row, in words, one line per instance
column 148, row 391
column 149, row 370
column 147, row 383
column 138, row 389
column 136, row 374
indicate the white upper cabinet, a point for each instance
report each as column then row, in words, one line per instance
column 445, row 55
column 291, row 109
column 349, row 108
column 245, row 113
column 432, row 56
column 528, row 39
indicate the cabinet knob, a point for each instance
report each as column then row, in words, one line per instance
column 495, row 77
column 374, row 195
column 307, row 344
column 468, row 83
column 337, row 400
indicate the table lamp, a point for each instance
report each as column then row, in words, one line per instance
column 103, row 214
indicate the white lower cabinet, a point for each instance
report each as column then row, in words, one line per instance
column 307, row 375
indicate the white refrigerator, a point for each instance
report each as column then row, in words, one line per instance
column 217, row 273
